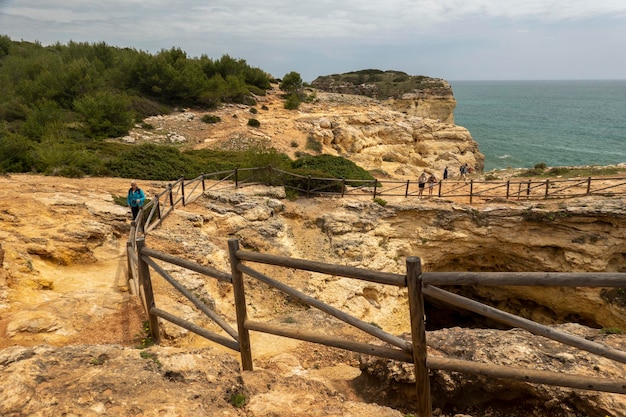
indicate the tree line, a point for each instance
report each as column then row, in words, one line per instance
column 60, row 103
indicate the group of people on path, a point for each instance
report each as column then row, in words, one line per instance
column 424, row 179
column 431, row 179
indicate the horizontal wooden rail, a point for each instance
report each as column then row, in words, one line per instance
column 330, row 269
column 195, row 300
column 316, row 337
column 538, row 279
column 515, row 321
column 366, row 327
column 224, row 341
column 204, row 270
column 617, row 386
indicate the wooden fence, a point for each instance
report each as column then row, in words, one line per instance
column 420, row 285
column 474, row 191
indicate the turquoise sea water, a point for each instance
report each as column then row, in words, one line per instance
column 562, row 123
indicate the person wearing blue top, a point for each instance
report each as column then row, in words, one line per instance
column 135, row 199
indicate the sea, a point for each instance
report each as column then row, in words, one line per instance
column 519, row 124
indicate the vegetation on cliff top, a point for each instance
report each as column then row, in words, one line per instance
column 60, row 103
column 381, row 84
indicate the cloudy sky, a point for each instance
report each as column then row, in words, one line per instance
column 450, row 39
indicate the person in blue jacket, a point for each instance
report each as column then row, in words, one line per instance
column 135, row 199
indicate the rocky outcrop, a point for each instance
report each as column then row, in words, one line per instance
column 477, row 395
column 398, row 137
column 419, row 96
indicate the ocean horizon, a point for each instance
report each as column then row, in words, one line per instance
column 518, row 124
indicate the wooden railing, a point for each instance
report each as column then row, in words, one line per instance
column 474, row 191
column 419, row 284
column 142, row 259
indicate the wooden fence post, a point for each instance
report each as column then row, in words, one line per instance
column 182, row 189
column 375, row 185
column 236, row 178
column 547, row 188
column 588, row 185
column 169, row 187
column 308, row 186
column 471, row 190
column 129, row 270
column 439, row 192
column 146, row 283
column 406, row 193
column 508, row 187
column 240, row 306
column 203, row 185
column 418, row 335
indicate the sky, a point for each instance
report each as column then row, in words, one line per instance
column 449, row 39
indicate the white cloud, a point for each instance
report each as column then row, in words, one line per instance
column 451, row 38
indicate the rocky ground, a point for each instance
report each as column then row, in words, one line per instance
column 73, row 337
column 71, row 329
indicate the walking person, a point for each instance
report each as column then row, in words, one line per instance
column 421, row 183
column 432, row 180
column 445, row 173
column 463, row 170
column 135, row 199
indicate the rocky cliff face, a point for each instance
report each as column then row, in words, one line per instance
column 419, row 96
column 398, row 137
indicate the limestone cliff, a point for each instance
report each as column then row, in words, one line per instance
column 396, row 138
column 419, row 95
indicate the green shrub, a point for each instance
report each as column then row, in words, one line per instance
column 144, row 339
column 254, row 123
column 333, row 166
column 149, row 161
column 380, row 201
column 292, row 101
column 253, row 110
column 541, row 166
column 264, row 107
column 238, row 400
column 294, row 144
column 313, row 145
column 611, row 330
column 210, row 118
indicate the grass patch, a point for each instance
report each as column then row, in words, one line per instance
column 238, row 400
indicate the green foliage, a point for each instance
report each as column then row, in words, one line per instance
column 313, row 145
column 541, row 166
column 292, row 101
column 611, row 330
column 148, row 161
column 291, row 83
column 380, row 201
column 254, row 123
column 238, row 400
column 293, row 144
column 83, row 90
column 144, row 339
column 380, row 84
column 254, row 110
column 105, row 114
column 335, row 166
column 211, row 118
column 16, row 153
